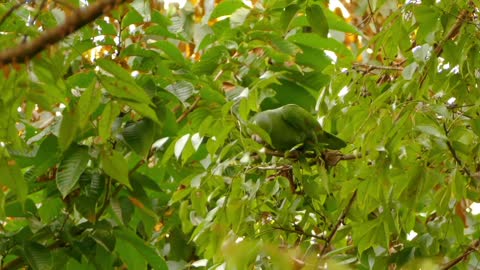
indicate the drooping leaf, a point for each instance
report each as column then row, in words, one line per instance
column 317, row 19
column 108, row 117
column 72, row 166
column 88, row 103
column 287, row 15
column 37, row 256
column 115, row 165
column 147, row 252
column 68, row 128
column 12, row 177
column 139, row 136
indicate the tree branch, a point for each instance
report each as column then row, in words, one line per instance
column 368, row 68
column 451, row 35
column 340, row 221
column 81, row 17
column 473, row 247
column 189, row 110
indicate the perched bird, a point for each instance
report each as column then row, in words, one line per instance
column 292, row 126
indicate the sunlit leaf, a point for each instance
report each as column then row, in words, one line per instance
column 226, row 8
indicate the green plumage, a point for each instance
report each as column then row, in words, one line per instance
column 291, row 125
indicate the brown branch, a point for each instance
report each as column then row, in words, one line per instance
column 368, row 68
column 189, row 110
column 453, row 31
column 340, row 221
column 274, row 168
column 80, row 18
column 10, row 11
column 473, row 247
column 451, row 35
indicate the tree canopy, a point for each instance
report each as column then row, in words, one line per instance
column 125, row 137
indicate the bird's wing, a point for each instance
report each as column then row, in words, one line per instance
column 301, row 120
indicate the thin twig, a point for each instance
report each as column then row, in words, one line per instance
column 189, row 110
column 340, row 221
column 473, row 247
column 369, row 68
column 274, row 168
column 10, row 11
column 34, row 19
column 300, row 232
column 454, row 154
column 81, row 17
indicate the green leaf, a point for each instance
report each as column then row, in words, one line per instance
column 337, row 23
column 139, row 136
column 37, row 256
column 132, row 17
column 68, row 128
column 475, row 124
column 180, row 145
column 226, row 7
column 125, row 89
column 107, row 119
column 144, row 109
column 115, row 165
column 317, row 42
column 107, row 28
column 317, row 19
column 146, row 251
column 238, row 17
column 88, row 103
column 433, row 131
column 82, row 80
column 12, row 177
column 72, row 166
column 182, row 90
column 171, row 51
column 210, row 60
column 287, row 15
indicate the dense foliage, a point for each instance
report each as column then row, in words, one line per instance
column 125, row 138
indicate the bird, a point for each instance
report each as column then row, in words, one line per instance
column 292, row 127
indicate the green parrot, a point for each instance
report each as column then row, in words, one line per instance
column 290, row 126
